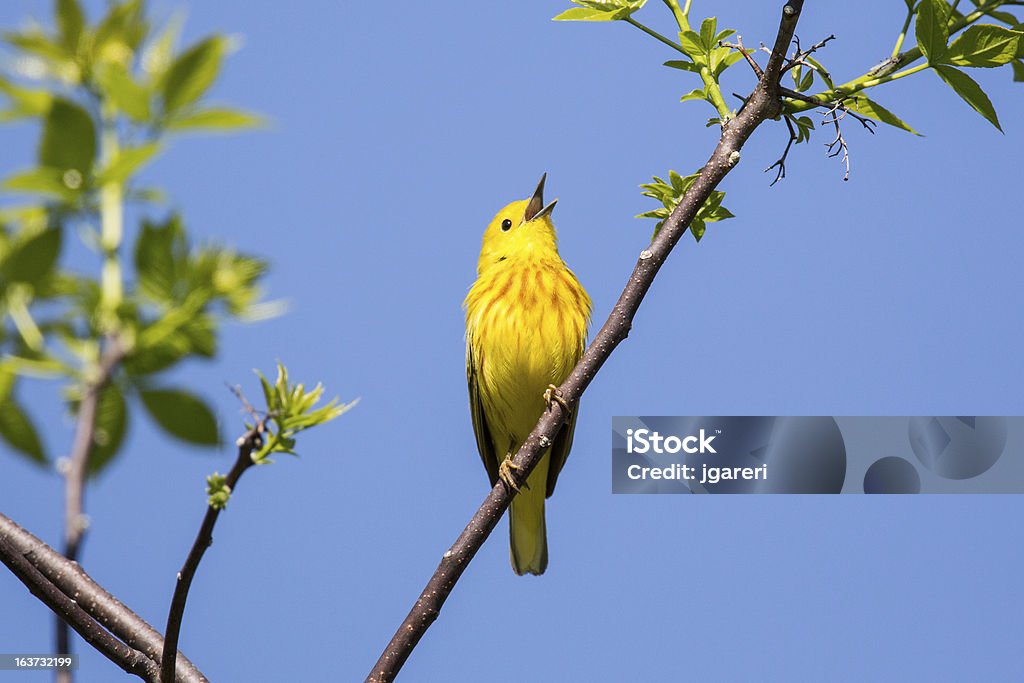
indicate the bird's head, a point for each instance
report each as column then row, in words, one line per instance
column 522, row 229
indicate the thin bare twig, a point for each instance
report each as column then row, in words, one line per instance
column 738, row 45
column 800, row 55
column 781, row 162
column 237, row 391
column 764, row 103
column 249, row 442
column 837, row 111
column 864, row 121
column 839, row 145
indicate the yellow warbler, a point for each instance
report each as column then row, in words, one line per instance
column 526, row 327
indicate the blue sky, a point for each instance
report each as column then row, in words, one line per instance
column 399, row 129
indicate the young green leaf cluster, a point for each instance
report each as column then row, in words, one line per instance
column 108, row 96
column 708, row 59
column 291, row 409
column 670, row 194
column 217, row 491
column 935, row 21
column 705, row 56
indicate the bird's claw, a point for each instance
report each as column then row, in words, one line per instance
column 554, row 395
column 505, row 470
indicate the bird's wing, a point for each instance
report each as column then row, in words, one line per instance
column 484, row 444
column 560, row 449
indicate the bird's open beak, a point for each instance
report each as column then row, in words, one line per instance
column 536, row 209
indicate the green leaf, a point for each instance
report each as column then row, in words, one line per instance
column 36, row 43
column 51, row 182
column 159, row 251
column 158, row 55
column 697, row 94
column 192, row 73
column 26, row 102
column 807, row 80
column 971, row 93
column 984, row 45
column 677, row 183
column 584, row 14
column 70, row 21
column 1004, row 17
column 127, row 95
column 683, row 64
column 69, row 138
column 111, row 426
column 182, row 415
column 146, row 360
column 201, row 333
column 8, row 374
column 931, row 30
column 20, row 434
column 708, row 27
column 862, row 105
column 600, row 11
column 215, row 119
column 127, row 162
column 227, row 275
column 721, row 62
column 822, row 72
column 1018, row 71
column 697, row 228
column 120, row 32
column 33, row 260
column 692, row 45
column 804, row 126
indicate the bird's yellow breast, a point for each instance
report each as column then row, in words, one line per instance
column 526, row 327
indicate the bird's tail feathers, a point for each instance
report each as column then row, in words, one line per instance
column 528, row 535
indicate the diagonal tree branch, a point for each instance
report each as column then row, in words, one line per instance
column 764, row 103
column 129, row 659
column 251, row 441
column 54, row 571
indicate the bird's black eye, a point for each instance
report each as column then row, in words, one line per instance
column 506, row 225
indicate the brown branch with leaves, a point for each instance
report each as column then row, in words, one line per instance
column 764, row 103
column 250, row 442
column 290, row 409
